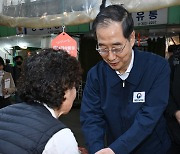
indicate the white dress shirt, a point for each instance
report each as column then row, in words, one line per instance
column 125, row 75
column 63, row 142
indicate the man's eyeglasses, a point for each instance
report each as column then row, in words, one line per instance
column 105, row 51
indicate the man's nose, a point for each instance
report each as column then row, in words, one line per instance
column 111, row 55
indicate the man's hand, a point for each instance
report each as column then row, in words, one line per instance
column 105, row 151
column 177, row 115
column 83, row 150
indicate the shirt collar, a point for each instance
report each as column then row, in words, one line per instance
column 51, row 111
column 126, row 74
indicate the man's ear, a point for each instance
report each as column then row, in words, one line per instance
column 132, row 38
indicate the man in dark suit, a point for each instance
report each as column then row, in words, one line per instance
column 126, row 94
column 18, row 60
column 173, row 108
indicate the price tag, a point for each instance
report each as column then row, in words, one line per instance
column 65, row 42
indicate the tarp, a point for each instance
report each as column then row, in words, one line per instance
column 51, row 13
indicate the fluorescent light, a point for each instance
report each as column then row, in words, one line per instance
column 22, row 45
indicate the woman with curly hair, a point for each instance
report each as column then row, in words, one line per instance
column 47, row 87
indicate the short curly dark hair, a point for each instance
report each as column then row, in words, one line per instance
column 18, row 57
column 47, row 75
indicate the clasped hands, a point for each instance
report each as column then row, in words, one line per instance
column 177, row 115
column 105, row 151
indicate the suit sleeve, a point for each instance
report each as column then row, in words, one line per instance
column 172, row 105
column 91, row 116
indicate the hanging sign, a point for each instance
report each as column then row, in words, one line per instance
column 65, row 42
column 155, row 17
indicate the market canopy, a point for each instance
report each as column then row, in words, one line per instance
column 51, row 13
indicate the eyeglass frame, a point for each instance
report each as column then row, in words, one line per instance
column 106, row 52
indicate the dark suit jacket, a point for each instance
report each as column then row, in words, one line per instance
column 174, row 103
column 132, row 124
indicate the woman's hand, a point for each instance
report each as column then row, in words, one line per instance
column 177, row 115
column 105, row 151
column 83, row 150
